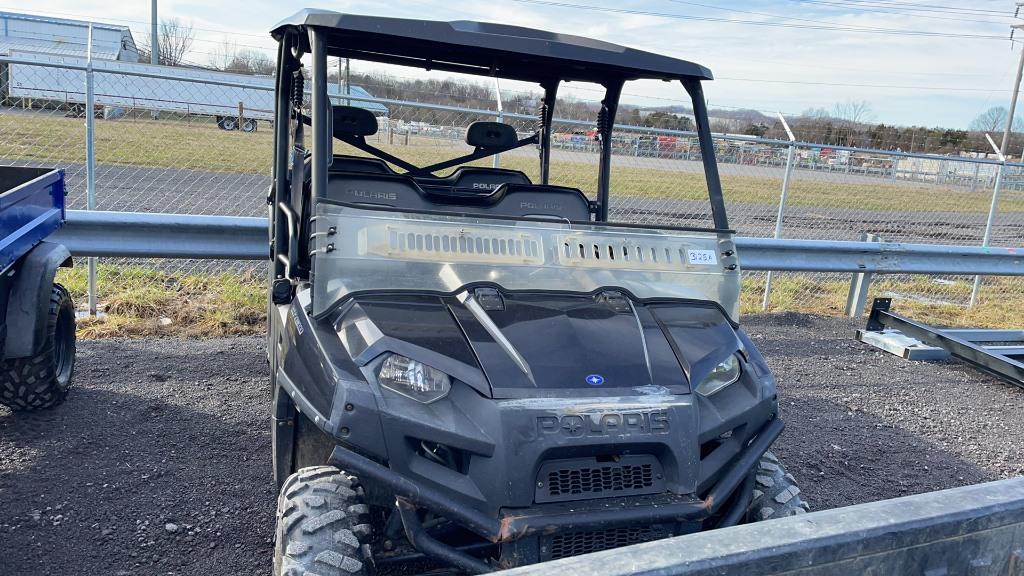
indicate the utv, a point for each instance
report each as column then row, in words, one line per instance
column 37, row 316
column 473, row 370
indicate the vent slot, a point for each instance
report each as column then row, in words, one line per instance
column 576, row 543
column 589, row 478
column 441, row 243
column 607, row 251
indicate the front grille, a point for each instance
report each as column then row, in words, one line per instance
column 576, row 543
column 586, row 478
column 600, row 479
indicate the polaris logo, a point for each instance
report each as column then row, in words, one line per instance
column 540, row 205
column 370, row 195
column 483, row 186
column 607, row 424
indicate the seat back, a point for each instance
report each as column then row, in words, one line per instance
column 345, row 163
column 508, row 199
column 475, row 179
column 542, row 201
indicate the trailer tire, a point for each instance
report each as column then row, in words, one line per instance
column 229, row 123
column 249, row 125
column 323, row 525
column 43, row 380
column 775, row 492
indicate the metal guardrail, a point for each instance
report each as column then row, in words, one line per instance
column 144, row 235
column 877, row 257
column 970, row 530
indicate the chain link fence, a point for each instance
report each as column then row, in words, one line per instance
column 169, row 144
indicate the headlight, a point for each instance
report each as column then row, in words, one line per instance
column 724, row 374
column 413, row 379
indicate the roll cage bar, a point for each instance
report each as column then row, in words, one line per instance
column 465, row 47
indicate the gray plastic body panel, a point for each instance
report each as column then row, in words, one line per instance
column 977, row 530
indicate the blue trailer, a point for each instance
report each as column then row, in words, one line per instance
column 37, row 316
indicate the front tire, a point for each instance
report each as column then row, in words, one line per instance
column 323, row 526
column 775, row 492
column 43, row 380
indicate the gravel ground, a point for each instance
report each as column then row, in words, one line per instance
column 160, row 461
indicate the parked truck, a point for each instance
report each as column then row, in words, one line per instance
column 37, row 316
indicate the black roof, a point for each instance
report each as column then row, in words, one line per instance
column 484, row 48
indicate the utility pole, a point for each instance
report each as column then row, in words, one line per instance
column 994, row 206
column 154, row 46
column 1013, row 100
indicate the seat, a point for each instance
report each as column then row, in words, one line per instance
column 541, row 201
column 402, row 192
column 475, row 179
column 390, row 190
column 345, row 163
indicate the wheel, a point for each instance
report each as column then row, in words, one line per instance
column 249, row 125
column 775, row 492
column 229, row 123
column 322, row 525
column 43, row 380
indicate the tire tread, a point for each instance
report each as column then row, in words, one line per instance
column 776, row 494
column 322, row 525
column 31, row 383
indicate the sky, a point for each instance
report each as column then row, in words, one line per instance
column 917, row 62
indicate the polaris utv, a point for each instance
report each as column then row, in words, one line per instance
column 472, row 370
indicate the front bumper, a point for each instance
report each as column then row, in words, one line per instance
column 513, row 524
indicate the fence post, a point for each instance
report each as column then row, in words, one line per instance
column 860, row 284
column 90, row 161
column 241, row 115
column 790, row 154
column 991, row 215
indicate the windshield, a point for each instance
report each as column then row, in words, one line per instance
column 385, row 251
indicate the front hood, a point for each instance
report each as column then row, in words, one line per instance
column 511, row 345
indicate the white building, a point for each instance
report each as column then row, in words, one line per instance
column 61, row 37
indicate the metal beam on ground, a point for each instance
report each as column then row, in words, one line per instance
column 899, row 344
column 982, row 358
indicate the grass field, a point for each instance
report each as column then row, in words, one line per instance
column 202, row 146
column 140, row 301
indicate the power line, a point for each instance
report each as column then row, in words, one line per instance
column 793, row 18
column 892, row 9
column 923, row 7
column 866, row 30
column 849, row 85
